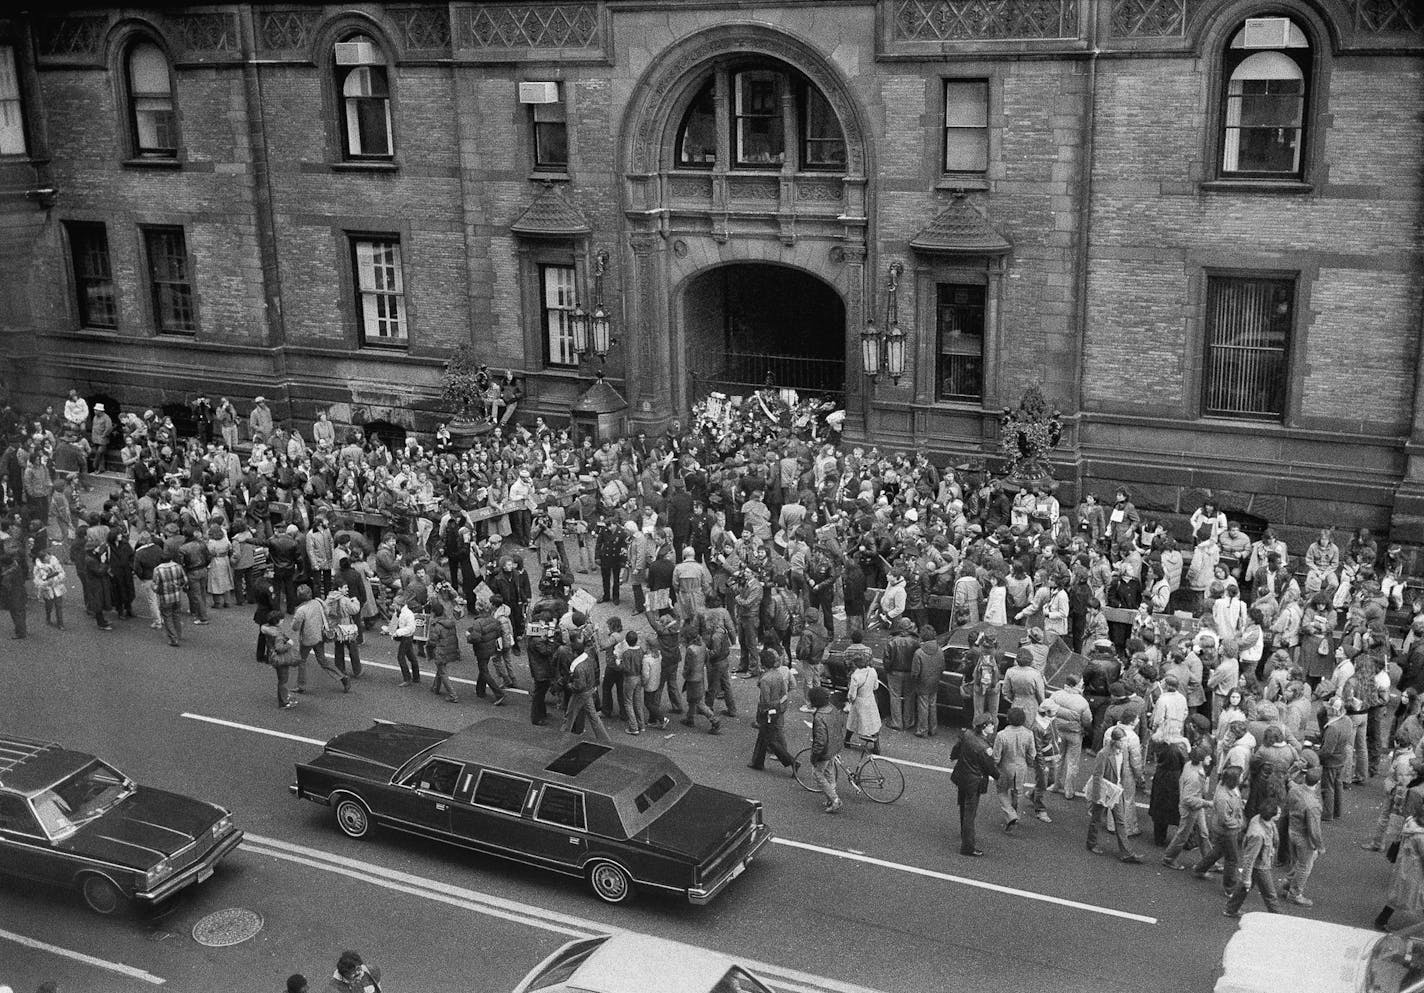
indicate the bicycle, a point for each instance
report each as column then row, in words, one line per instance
column 874, row 778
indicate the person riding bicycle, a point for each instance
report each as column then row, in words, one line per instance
column 827, row 740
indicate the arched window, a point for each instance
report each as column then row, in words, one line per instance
column 363, row 91
column 772, row 113
column 153, row 123
column 1267, row 76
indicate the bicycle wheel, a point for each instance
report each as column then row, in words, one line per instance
column 805, row 774
column 879, row 780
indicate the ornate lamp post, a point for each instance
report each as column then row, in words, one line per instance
column 886, row 350
column 594, row 332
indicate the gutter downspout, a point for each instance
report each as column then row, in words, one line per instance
column 1085, row 219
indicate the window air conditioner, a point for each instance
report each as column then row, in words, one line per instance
column 356, row 53
column 1267, row 32
column 538, row 92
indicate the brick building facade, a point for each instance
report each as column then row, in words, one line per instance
column 1197, row 223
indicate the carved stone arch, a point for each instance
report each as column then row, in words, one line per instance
column 124, row 32
column 662, row 89
column 1325, row 22
column 347, row 22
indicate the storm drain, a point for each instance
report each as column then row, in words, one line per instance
column 227, row 927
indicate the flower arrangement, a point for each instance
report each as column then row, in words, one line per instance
column 466, row 381
column 1027, row 436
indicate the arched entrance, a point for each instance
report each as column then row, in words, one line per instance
column 747, row 321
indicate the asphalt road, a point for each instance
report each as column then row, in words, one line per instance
column 876, row 898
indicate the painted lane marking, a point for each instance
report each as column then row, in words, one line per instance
column 964, row 881
column 454, row 679
column 254, row 729
column 514, row 911
column 98, row 963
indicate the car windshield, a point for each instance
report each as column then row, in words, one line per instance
column 562, row 969
column 73, row 802
column 1397, row 963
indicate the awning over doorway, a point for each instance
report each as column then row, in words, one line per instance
column 961, row 229
column 551, row 216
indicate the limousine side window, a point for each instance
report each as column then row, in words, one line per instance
column 501, row 792
column 437, row 776
column 562, row 807
column 16, row 817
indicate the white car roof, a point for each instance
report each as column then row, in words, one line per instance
column 627, row 963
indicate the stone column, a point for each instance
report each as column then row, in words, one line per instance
column 646, row 338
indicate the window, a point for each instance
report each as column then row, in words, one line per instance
column 561, row 806
column 12, row 121
column 966, row 125
column 959, row 319
column 771, row 111
column 822, row 144
column 93, row 275
column 578, row 758
column 155, row 126
column 757, row 122
column 697, row 137
column 380, row 291
column 171, row 280
column 15, row 815
column 365, row 96
column 1267, row 71
column 654, row 793
column 551, row 134
column 437, row 776
column 1248, row 328
column 557, row 286
column 501, row 792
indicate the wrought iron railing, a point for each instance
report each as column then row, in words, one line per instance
column 743, row 372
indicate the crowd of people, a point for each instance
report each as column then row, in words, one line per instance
column 1248, row 684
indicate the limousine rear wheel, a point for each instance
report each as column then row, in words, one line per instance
column 352, row 817
column 101, row 895
column 610, row 881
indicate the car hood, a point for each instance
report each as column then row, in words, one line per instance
column 145, row 828
column 1273, row 952
column 380, row 750
column 700, row 823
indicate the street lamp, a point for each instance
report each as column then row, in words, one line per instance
column 593, row 332
column 893, row 340
column 578, row 325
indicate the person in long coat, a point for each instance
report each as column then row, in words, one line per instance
column 861, row 707
column 1013, row 753
column 95, row 567
column 220, row 577
column 1406, row 886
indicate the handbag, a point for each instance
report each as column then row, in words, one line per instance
column 1322, row 647
column 280, row 656
column 343, row 633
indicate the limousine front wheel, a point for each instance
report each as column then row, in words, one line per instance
column 610, row 882
column 352, row 817
column 101, row 895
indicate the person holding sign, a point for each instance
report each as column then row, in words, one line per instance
column 1106, row 796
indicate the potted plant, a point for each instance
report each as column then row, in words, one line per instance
column 466, row 380
column 1027, row 437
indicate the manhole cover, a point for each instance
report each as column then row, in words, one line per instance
column 227, row 927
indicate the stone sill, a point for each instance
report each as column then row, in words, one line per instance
column 173, row 163
column 1277, row 186
column 965, row 182
column 355, row 166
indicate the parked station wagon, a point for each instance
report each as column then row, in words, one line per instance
column 619, row 817
column 70, row 819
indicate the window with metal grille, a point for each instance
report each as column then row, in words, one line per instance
column 93, row 275
column 12, row 119
column 1267, row 80
column 557, row 285
column 966, row 125
column 171, row 280
column 154, row 123
column 1248, row 329
column 959, row 372
column 365, row 98
column 380, row 291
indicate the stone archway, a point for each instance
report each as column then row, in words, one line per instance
column 749, row 324
column 797, row 219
